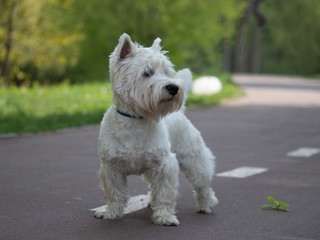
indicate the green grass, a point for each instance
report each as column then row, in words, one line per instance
column 48, row 108
column 313, row 77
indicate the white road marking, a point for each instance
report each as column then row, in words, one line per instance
column 134, row 204
column 304, row 152
column 242, row 172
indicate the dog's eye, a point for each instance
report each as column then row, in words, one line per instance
column 147, row 74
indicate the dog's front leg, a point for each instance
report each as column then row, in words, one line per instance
column 116, row 192
column 163, row 181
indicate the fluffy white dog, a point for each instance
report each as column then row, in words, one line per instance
column 146, row 133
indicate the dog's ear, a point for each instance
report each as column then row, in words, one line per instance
column 125, row 46
column 156, row 44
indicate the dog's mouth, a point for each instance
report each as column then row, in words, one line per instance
column 168, row 99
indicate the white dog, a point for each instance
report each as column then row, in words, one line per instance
column 146, row 133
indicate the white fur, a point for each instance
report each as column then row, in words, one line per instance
column 157, row 141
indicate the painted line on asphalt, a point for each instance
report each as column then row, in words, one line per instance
column 242, row 172
column 134, row 204
column 305, row 152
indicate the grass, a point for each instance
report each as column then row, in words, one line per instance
column 40, row 109
column 314, row 76
column 47, row 108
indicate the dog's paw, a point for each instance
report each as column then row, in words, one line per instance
column 166, row 220
column 208, row 205
column 207, row 209
column 107, row 214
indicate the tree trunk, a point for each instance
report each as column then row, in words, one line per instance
column 261, row 21
column 226, row 55
column 5, row 69
column 256, row 53
column 241, row 48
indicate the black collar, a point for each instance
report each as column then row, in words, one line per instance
column 128, row 115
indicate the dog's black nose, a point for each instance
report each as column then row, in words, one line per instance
column 172, row 89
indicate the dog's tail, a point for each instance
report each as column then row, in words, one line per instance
column 184, row 77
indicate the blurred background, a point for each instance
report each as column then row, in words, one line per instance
column 48, row 42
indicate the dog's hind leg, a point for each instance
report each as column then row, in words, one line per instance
column 163, row 181
column 195, row 159
column 116, row 193
column 198, row 168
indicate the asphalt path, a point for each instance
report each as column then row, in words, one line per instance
column 48, row 181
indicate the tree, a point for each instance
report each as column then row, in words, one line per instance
column 38, row 41
column 291, row 37
column 191, row 31
column 5, row 64
column 52, row 39
column 248, row 38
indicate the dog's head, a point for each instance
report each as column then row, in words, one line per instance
column 143, row 80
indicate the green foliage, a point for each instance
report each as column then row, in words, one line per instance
column 291, row 37
column 277, row 205
column 59, row 40
column 55, row 40
column 44, row 43
column 190, row 30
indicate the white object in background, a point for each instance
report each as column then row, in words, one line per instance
column 206, row 85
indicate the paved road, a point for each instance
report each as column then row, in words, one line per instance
column 48, row 182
